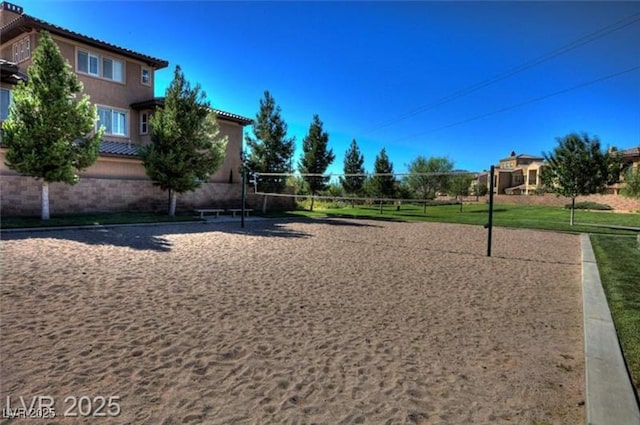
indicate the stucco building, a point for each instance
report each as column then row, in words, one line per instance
column 120, row 82
column 516, row 175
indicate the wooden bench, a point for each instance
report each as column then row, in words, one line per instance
column 233, row 211
column 202, row 211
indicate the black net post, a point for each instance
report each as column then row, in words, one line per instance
column 490, row 223
column 244, row 194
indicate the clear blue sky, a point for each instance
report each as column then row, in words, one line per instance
column 366, row 67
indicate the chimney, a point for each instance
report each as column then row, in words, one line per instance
column 9, row 12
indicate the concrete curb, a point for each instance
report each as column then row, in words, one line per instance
column 220, row 220
column 609, row 395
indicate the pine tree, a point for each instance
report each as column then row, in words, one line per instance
column 353, row 164
column 47, row 133
column 316, row 157
column 384, row 186
column 186, row 143
column 577, row 166
column 270, row 151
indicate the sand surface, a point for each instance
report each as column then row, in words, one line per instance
column 295, row 322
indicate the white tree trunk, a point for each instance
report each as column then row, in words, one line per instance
column 172, row 204
column 264, row 204
column 45, row 201
column 573, row 211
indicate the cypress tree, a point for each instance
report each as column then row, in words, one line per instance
column 270, row 151
column 316, row 157
column 47, row 133
column 186, row 143
column 353, row 164
column 384, row 186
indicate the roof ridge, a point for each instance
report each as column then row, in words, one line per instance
column 160, row 63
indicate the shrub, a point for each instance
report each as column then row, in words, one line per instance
column 590, row 206
column 481, row 190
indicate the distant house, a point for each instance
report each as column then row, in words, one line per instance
column 629, row 159
column 516, row 175
column 120, row 82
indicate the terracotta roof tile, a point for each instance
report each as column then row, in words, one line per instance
column 158, row 102
column 17, row 26
column 109, row 147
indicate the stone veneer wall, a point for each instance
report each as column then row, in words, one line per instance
column 20, row 195
column 617, row 202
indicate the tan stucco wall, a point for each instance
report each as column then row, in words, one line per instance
column 101, row 91
column 232, row 157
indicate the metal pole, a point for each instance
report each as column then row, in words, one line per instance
column 490, row 224
column 244, row 194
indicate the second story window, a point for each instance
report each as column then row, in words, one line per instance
column 21, row 50
column 144, row 123
column 88, row 63
column 92, row 64
column 5, row 102
column 115, row 121
column 145, row 77
column 112, row 69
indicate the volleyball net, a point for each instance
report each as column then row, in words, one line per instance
column 378, row 188
column 370, row 188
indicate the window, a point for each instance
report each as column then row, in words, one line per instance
column 145, row 77
column 5, row 102
column 113, row 120
column 92, row 64
column 22, row 50
column 144, row 123
column 112, row 69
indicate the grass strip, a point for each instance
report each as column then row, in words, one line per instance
column 619, row 266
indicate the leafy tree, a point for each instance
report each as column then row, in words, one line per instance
column 333, row 189
column 299, row 185
column 459, row 186
column 384, row 186
column 577, row 166
column 316, row 157
column 47, row 131
column 353, row 164
column 270, row 151
column 186, row 143
column 632, row 183
column 426, row 177
column 481, row 190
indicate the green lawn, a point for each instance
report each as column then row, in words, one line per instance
column 533, row 217
column 619, row 265
column 93, row 219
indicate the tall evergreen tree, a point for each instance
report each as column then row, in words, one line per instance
column 187, row 146
column 353, row 164
column 316, row 157
column 384, row 186
column 577, row 166
column 426, row 177
column 270, row 151
column 47, row 133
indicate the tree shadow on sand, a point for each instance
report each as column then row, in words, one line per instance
column 154, row 237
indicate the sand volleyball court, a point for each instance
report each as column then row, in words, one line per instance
column 295, row 322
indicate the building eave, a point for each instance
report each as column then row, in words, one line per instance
column 158, row 102
column 10, row 72
column 26, row 23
